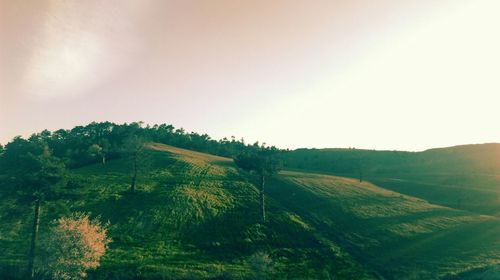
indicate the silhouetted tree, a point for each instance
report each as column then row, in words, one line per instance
column 34, row 171
column 133, row 148
column 359, row 165
column 75, row 147
column 262, row 162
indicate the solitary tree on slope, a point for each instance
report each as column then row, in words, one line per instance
column 133, row 148
column 264, row 163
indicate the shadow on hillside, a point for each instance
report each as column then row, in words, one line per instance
column 224, row 163
column 237, row 232
column 389, row 253
column 332, row 222
column 487, row 273
column 237, row 235
column 128, row 210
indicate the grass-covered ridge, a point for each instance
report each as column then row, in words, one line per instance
column 397, row 235
column 465, row 177
column 193, row 216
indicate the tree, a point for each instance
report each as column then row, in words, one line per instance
column 133, row 148
column 31, row 168
column 359, row 164
column 97, row 151
column 262, row 162
column 74, row 245
column 260, row 265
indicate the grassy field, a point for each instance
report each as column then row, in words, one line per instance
column 397, row 235
column 464, row 177
column 195, row 216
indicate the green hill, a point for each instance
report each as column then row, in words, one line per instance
column 195, row 216
column 400, row 237
column 465, row 177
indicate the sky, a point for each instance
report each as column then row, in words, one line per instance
column 387, row 75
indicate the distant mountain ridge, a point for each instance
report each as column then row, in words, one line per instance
column 466, row 176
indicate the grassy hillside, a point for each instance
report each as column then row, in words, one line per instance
column 399, row 236
column 465, row 177
column 194, row 216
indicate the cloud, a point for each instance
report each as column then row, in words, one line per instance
column 79, row 47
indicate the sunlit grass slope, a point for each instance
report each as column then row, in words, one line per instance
column 465, row 177
column 193, row 216
column 400, row 236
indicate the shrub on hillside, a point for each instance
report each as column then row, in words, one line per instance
column 260, row 266
column 75, row 245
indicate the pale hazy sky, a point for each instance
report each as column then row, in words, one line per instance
column 396, row 74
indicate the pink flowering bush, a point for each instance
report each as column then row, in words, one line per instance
column 74, row 246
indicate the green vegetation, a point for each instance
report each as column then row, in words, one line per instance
column 263, row 163
column 175, row 213
column 99, row 142
column 31, row 169
column 463, row 177
column 397, row 235
column 192, row 216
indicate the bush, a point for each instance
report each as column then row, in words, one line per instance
column 75, row 245
column 260, row 266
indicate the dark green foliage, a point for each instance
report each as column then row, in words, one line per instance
column 133, row 149
column 33, row 173
column 77, row 146
column 194, row 215
column 30, row 168
column 192, row 218
column 264, row 162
